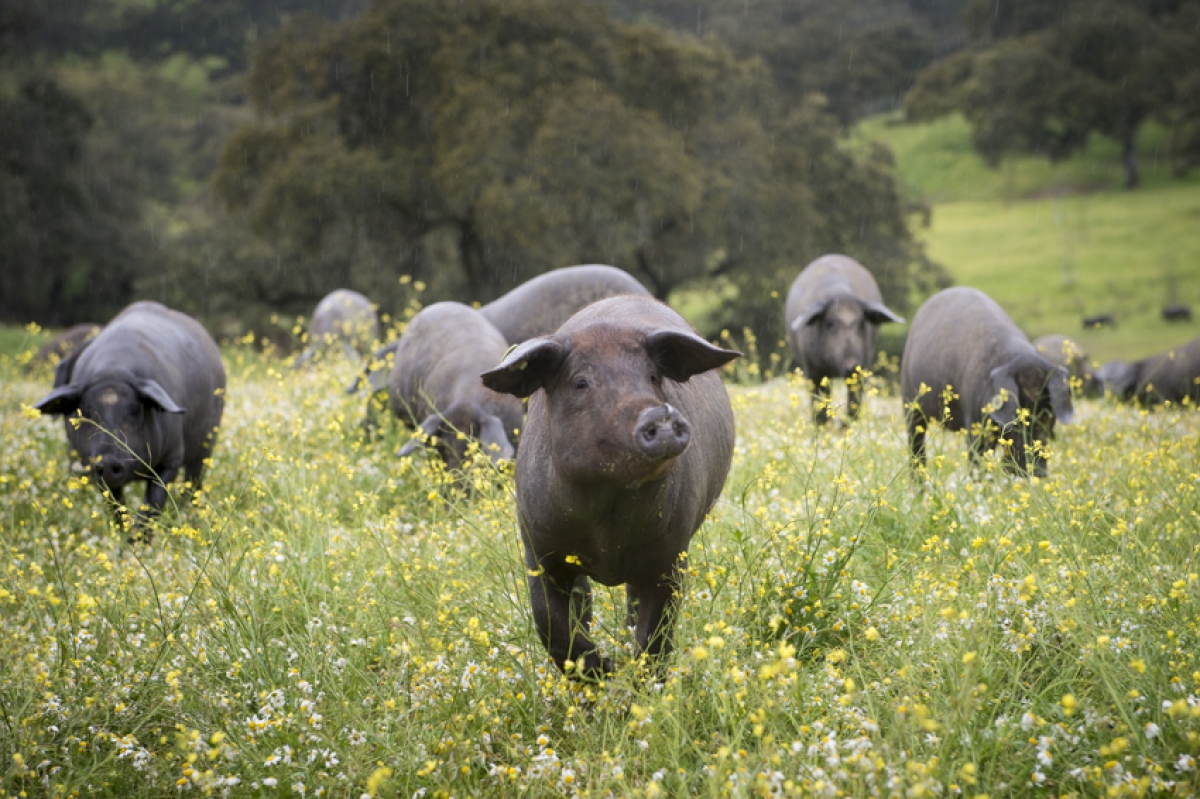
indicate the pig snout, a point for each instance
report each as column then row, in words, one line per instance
column 662, row 432
column 112, row 472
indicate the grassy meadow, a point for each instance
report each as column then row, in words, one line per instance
column 1053, row 243
column 324, row 620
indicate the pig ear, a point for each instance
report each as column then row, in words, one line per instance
column 495, row 440
column 1059, row 387
column 154, row 395
column 430, row 427
column 877, row 313
column 526, row 368
column 679, row 355
column 811, row 314
column 66, row 367
column 62, row 401
column 1003, row 405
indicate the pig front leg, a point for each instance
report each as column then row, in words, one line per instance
column 820, row 401
column 562, row 613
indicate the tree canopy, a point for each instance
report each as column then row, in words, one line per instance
column 533, row 134
column 1042, row 76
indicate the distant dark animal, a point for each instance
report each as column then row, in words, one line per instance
column 343, row 318
column 969, row 367
column 535, row 308
column 142, row 400
column 435, row 385
column 1099, row 320
column 62, row 345
column 626, row 447
column 1177, row 312
column 833, row 313
column 1062, row 351
column 1172, row 376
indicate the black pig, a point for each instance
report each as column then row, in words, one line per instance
column 969, row 367
column 535, row 308
column 833, row 313
column 1171, row 376
column 344, row 318
column 60, row 347
column 626, row 447
column 435, row 386
column 143, row 399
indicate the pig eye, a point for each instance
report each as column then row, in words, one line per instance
column 654, row 378
column 581, row 382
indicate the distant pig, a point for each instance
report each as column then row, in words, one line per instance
column 626, row 447
column 1171, row 376
column 534, row 308
column 61, row 346
column 435, row 386
column 833, row 313
column 969, row 367
column 344, row 318
column 144, row 399
column 1062, row 351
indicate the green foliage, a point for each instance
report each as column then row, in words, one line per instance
column 536, row 134
column 861, row 55
column 1043, row 76
column 64, row 222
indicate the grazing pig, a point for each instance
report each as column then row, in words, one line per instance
column 626, row 447
column 1062, row 351
column 535, row 308
column 1172, row 376
column 968, row 366
column 833, row 313
column 435, row 386
column 142, row 400
column 346, row 318
column 539, row 306
column 1099, row 320
column 57, row 349
column 1177, row 312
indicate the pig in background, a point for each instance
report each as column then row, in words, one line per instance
column 626, row 446
column 1171, row 376
column 344, row 319
column 537, row 307
column 435, row 387
column 967, row 366
column 833, row 312
column 1062, row 351
column 61, row 346
column 142, row 401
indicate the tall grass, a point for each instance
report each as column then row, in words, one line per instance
column 326, row 620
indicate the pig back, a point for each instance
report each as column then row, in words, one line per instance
column 1172, row 375
column 438, row 362
column 540, row 306
column 956, row 338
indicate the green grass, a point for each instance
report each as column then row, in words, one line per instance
column 936, row 162
column 324, row 618
column 1053, row 243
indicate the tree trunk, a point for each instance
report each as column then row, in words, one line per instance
column 1132, row 178
column 470, row 253
column 658, row 287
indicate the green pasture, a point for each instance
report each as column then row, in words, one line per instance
column 325, row 620
column 1053, row 243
